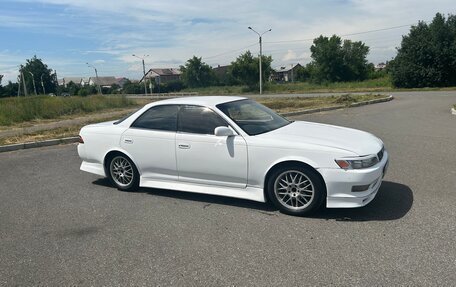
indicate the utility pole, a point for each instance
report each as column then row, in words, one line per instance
column 33, row 79
column 260, row 36
column 144, row 71
column 96, row 74
column 19, row 86
column 23, row 83
column 42, row 85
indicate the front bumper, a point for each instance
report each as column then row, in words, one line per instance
column 339, row 184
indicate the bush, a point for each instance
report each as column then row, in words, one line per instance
column 83, row 93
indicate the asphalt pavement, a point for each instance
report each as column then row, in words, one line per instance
column 63, row 227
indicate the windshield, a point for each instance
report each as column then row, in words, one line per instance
column 252, row 117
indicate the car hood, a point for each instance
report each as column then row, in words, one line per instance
column 356, row 141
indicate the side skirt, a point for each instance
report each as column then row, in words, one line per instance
column 250, row 193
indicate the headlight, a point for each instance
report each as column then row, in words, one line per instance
column 358, row 162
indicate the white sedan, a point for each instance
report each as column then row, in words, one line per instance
column 235, row 147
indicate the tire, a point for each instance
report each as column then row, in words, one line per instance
column 123, row 173
column 296, row 190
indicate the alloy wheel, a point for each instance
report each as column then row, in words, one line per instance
column 294, row 190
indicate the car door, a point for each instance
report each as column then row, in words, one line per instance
column 205, row 158
column 151, row 141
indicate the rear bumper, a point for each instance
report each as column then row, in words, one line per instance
column 94, row 168
column 86, row 165
column 339, row 184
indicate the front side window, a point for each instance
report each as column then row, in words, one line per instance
column 163, row 118
column 199, row 120
column 252, row 117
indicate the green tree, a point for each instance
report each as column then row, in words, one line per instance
column 40, row 71
column 10, row 90
column 73, row 89
column 427, row 55
column 133, row 88
column 337, row 61
column 303, row 72
column 196, row 73
column 245, row 69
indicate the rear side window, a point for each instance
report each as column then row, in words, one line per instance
column 163, row 118
column 199, row 120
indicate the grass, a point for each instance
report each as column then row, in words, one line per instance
column 288, row 104
column 218, row 90
column 375, row 85
column 369, row 86
column 281, row 105
column 42, row 135
column 380, row 84
column 24, row 109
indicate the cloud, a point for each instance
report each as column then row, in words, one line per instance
column 99, row 61
column 290, row 55
column 69, row 33
column 135, row 68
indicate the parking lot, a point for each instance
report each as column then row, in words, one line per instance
column 61, row 226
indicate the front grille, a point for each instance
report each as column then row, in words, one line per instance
column 380, row 154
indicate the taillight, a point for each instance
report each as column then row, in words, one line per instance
column 80, row 140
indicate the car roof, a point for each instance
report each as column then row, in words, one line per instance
column 210, row 101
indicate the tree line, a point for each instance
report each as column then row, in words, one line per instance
column 426, row 58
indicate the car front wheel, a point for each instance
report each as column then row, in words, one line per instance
column 123, row 173
column 296, row 190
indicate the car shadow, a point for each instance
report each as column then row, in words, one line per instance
column 206, row 198
column 393, row 201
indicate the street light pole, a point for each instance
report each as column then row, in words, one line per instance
column 42, row 85
column 33, row 79
column 260, row 36
column 144, row 71
column 98, row 81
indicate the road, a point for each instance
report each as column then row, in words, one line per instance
column 60, row 226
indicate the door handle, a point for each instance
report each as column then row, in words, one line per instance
column 128, row 141
column 184, row 146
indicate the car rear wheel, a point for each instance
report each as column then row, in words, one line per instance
column 296, row 190
column 123, row 173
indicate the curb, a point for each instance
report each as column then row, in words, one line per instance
column 28, row 145
column 453, row 111
column 68, row 140
column 317, row 110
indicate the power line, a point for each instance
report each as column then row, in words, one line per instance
column 378, row 30
column 344, row 35
column 231, row 51
column 301, row 48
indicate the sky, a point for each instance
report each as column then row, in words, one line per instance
column 67, row 34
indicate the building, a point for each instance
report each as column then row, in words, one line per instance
column 285, row 74
column 66, row 80
column 121, row 81
column 161, row 76
column 84, row 81
column 380, row 66
column 105, row 82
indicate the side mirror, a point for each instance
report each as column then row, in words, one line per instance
column 223, row 132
